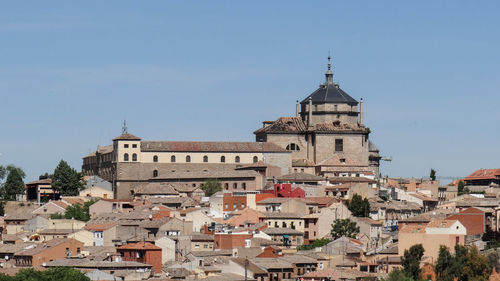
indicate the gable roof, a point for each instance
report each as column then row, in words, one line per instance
column 126, row 136
column 200, row 146
column 484, row 174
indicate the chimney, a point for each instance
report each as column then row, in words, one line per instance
column 297, row 109
column 361, row 121
column 309, row 118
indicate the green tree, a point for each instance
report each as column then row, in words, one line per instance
column 211, row 186
column 411, row 261
column 66, row 180
column 462, row 189
column 433, row 175
column 51, row 274
column 317, row 243
column 476, row 267
column 397, row 275
column 13, row 184
column 78, row 212
column 358, row 206
column 443, row 267
column 344, row 227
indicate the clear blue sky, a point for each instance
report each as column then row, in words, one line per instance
column 213, row 70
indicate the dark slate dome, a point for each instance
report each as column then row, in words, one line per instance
column 330, row 93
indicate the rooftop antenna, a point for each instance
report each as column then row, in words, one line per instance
column 124, row 128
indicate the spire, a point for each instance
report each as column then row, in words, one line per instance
column 329, row 73
column 124, row 128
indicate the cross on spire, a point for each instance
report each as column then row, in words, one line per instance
column 124, row 128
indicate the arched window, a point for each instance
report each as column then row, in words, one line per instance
column 155, row 158
column 244, row 186
column 226, row 186
column 155, row 173
column 223, row 159
column 293, row 147
column 125, row 157
column 172, row 158
column 188, row 158
column 235, row 185
column 255, row 159
column 205, row 159
column 237, row 159
column 134, row 157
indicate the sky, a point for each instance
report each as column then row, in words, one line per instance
column 71, row 72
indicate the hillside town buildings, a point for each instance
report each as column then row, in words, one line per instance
column 278, row 198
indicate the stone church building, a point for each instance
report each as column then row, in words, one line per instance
column 327, row 136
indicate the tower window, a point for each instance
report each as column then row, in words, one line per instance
column 237, row 159
column 125, row 157
column 339, row 145
column 155, row 158
column 155, row 173
column 134, row 157
column 222, row 159
column 188, row 158
column 172, row 158
column 255, row 159
column 205, row 159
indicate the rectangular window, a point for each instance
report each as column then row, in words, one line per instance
column 125, row 145
column 134, row 145
column 197, row 246
column 339, row 145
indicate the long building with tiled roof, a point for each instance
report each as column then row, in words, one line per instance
column 130, row 163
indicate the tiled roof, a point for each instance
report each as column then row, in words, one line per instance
column 284, row 124
column 484, row 174
column 99, row 226
column 101, row 150
column 42, row 181
column 423, row 197
column 441, row 223
column 126, row 136
column 42, row 247
column 139, row 246
column 198, row 146
column 246, row 215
